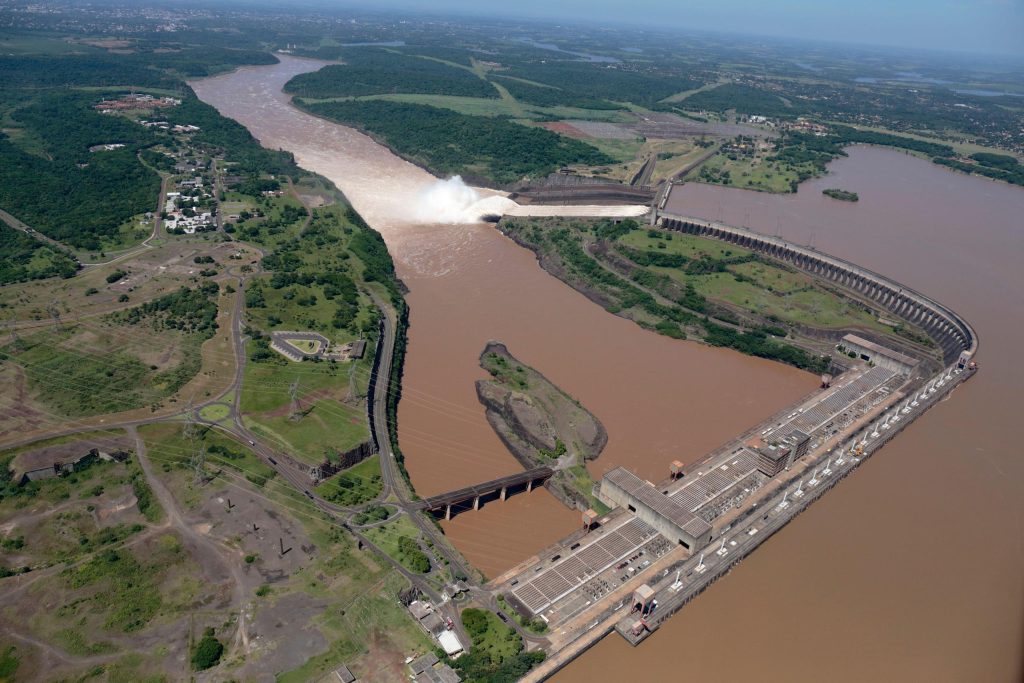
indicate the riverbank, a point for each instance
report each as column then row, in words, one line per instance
column 686, row 287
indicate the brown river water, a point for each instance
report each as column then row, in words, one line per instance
column 911, row 570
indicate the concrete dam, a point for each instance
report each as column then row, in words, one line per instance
column 953, row 334
column 663, row 543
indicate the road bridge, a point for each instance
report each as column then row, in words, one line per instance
column 496, row 489
column 952, row 333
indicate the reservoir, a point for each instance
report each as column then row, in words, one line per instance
column 910, row 570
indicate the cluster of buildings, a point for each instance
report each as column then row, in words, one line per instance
column 177, row 128
column 177, row 220
column 438, row 626
column 108, row 147
column 135, row 101
column 802, row 125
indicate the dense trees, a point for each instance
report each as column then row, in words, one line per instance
column 71, row 194
column 449, row 142
column 22, row 257
column 497, row 654
column 369, row 71
column 188, row 310
column 743, row 98
column 208, row 651
column 624, row 82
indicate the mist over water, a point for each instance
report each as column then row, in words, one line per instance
column 449, row 201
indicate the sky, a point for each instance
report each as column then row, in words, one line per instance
column 985, row 26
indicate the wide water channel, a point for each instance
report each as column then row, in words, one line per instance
column 911, row 570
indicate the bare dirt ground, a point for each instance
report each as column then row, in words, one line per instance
column 283, row 636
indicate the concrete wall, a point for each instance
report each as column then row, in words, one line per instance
column 951, row 332
column 879, row 359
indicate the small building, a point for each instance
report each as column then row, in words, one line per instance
column 433, row 623
column 450, row 643
column 877, row 354
column 589, row 518
column 643, row 598
column 65, row 458
column 423, row 663
column 438, row 674
column 420, row 610
column 353, row 350
column 344, row 675
column 676, row 469
column 798, row 441
column 773, row 458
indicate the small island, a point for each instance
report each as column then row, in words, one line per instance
column 541, row 425
column 841, row 195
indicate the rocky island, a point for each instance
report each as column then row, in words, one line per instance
column 540, row 424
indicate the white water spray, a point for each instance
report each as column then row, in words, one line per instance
column 447, row 201
column 452, row 201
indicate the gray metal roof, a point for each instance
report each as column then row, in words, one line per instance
column 660, row 504
column 879, row 349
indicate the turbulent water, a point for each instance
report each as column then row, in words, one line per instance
column 910, row 570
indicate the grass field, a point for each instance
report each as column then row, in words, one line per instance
column 117, row 591
column 388, row 538
column 80, row 371
column 764, row 288
column 491, row 638
column 814, row 306
column 215, row 412
column 503, row 106
column 305, row 345
column 685, row 245
column 749, row 174
column 59, row 519
column 330, row 419
column 169, row 447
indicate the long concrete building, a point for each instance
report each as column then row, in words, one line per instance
column 620, row 487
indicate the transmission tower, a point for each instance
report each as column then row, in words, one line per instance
column 190, row 422
column 54, row 310
column 293, row 392
column 196, row 462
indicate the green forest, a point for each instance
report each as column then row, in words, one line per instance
column 23, row 257
column 70, row 194
column 451, row 143
column 378, row 72
column 604, row 82
column 48, row 177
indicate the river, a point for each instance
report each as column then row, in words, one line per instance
column 910, row 570
column 913, row 568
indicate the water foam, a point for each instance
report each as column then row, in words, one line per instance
column 447, row 201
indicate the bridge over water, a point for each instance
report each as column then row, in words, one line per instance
column 471, row 497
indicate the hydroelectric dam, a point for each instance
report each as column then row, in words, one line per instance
column 663, row 543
